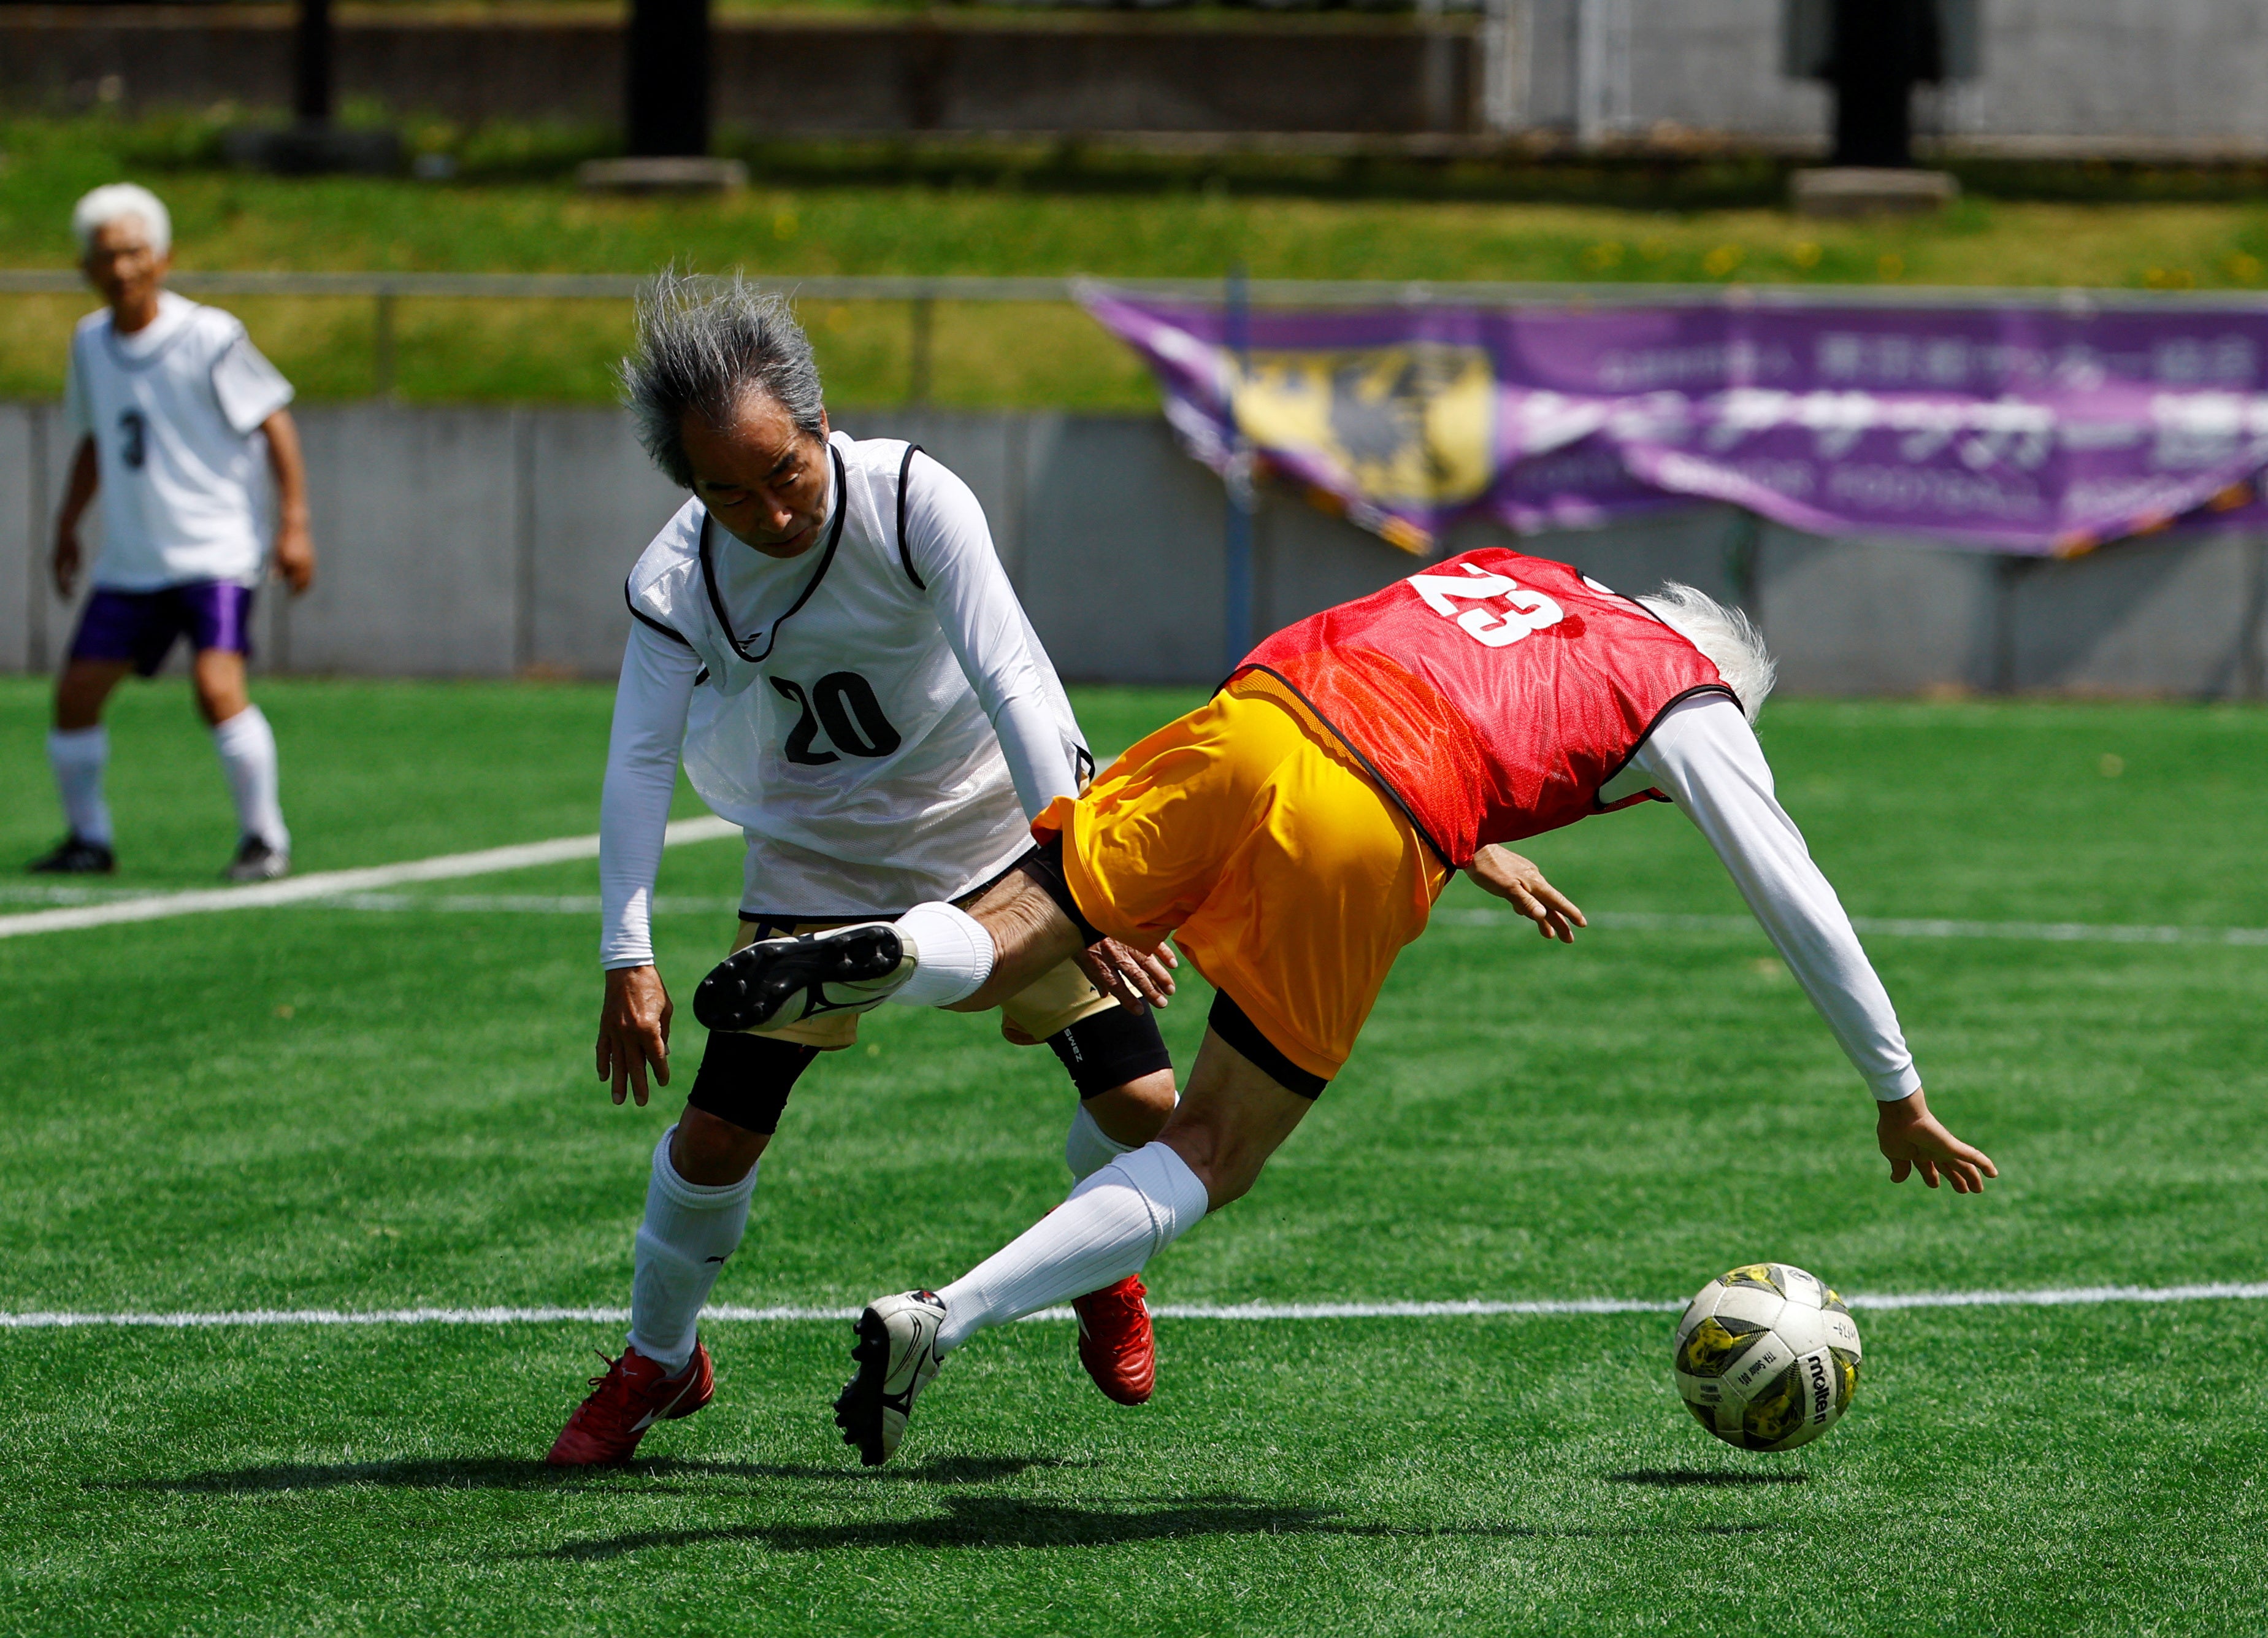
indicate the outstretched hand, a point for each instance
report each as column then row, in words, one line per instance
column 634, row 1031
column 1134, row 979
column 1912, row 1137
column 1515, row 880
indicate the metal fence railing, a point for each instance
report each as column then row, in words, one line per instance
column 920, row 294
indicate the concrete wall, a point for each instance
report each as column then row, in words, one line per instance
column 493, row 543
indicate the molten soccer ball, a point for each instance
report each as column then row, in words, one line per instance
column 1767, row 1357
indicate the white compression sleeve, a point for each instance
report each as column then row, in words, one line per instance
column 952, row 549
column 1704, row 758
column 688, row 1232
column 1111, row 1226
column 79, row 757
column 650, row 701
column 246, row 747
column 1088, row 1149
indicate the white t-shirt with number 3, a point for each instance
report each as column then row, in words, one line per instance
column 175, row 411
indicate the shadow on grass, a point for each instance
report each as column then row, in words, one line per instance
column 1011, row 1522
column 1673, row 1478
column 519, row 1473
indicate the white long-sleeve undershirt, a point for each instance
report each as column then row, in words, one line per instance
column 1704, row 758
column 651, row 702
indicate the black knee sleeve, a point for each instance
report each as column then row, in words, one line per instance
column 1231, row 1024
column 746, row 1078
column 1108, row 1049
column 1044, row 865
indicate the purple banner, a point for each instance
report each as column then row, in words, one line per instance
column 2039, row 429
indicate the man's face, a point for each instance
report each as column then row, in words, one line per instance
column 124, row 266
column 760, row 477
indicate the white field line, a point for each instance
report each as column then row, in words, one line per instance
column 2064, row 1298
column 333, row 884
column 1900, row 927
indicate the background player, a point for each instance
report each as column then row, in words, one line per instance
column 1294, row 834
column 826, row 630
column 175, row 412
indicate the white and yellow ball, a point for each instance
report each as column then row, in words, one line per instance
column 1767, row 1357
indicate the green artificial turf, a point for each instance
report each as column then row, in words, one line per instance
column 320, row 1107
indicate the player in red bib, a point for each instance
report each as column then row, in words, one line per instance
column 1293, row 835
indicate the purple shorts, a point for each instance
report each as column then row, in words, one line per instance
column 143, row 626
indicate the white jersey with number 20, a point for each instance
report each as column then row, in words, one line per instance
column 879, row 716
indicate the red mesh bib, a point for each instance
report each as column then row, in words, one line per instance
column 1494, row 693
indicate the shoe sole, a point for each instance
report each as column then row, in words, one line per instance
column 750, row 987
column 858, row 1409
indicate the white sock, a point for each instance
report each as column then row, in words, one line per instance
column 247, row 745
column 79, row 757
column 688, row 1232
column 953, row 955
column 1114, row 1223
column 1088, row 1149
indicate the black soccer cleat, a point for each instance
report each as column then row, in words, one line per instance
column 75, row 856
column 256, row 862
column 777, row 982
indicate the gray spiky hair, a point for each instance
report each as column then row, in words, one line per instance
column 706, row 345
column 1726, row 636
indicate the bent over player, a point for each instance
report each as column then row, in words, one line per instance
column 1293, row 835
column 175, row 412
column 826, row 630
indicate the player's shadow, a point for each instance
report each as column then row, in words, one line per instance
column 519, row 1473
column 1677, row 1477
column 1015, row 1521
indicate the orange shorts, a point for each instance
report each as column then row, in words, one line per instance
column 1247, row 831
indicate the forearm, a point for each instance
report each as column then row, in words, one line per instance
column 79, row 487
column 1707, row 761
column 642, row 752
column 287, row 463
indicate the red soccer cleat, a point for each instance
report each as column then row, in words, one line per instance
column 633, row 1394
column 1116, row 1343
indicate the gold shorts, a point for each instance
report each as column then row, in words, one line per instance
column 1059, row 999
column 1284, row 872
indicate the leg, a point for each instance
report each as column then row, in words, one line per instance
column 78, row 750
column 698, row 1194
column 246, row 745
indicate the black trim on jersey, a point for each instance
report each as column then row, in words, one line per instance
column 1234, row 1025
column 646, row 619
column 1639, row 744
column 905, row 554
column 834, row 539
column 1380, row 780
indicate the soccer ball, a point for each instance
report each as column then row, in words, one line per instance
column 1767, row 1357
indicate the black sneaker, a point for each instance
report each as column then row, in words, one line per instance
column 75, row 856
column 256, row 862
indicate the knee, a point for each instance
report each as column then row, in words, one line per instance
column 1136, row 1112
column 711, row 1153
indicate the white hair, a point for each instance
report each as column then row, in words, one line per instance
column 1725, row 637
column 116, row 200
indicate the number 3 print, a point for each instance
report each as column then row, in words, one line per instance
column 843, row 704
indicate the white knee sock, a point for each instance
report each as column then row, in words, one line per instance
column 79, row 757
column 1113, row 1223
column 953, row 955
column 247, row 745
column 688, row 1232
column 1088, row 1149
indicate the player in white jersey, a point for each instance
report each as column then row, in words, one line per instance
column 827, row 632
column 181, row 426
